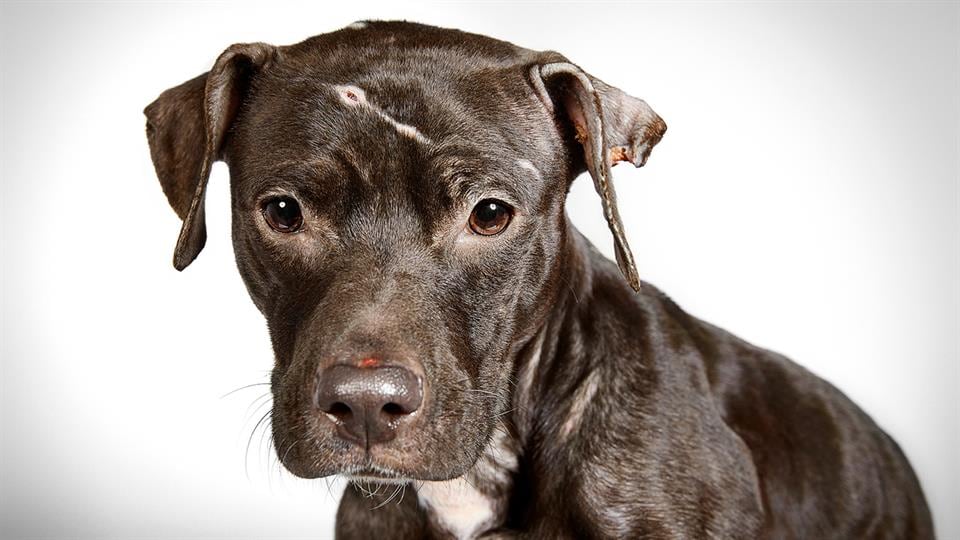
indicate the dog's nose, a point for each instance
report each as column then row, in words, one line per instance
column 368, row 403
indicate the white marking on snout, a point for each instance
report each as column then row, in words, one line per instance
column 354, row 96
column 459, row 506
column 581, row 399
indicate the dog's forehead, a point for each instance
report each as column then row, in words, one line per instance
column 378, row 93
column 445, row 80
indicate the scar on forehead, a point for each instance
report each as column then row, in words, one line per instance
column 354, row 96
column 351, row 95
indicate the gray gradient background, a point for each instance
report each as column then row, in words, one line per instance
column 805, row 198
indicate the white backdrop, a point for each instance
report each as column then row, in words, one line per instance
column 805, row 198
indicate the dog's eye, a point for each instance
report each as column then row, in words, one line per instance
column 283, row 214
column 490, row 217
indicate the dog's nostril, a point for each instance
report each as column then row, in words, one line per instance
column 340, row 410
column 394, row 409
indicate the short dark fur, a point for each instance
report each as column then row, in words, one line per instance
column 690, row 433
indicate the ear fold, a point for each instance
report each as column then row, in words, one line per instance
column 186, row 127
column 612, row 127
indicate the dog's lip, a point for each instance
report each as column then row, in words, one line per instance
column 376, row 474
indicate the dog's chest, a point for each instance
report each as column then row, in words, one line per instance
column 459, row 508
column 471, row 504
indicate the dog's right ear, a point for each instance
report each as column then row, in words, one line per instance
column 186, row 127
column 609, row 125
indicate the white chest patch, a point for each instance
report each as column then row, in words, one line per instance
column 458, row 506
column 466, row 506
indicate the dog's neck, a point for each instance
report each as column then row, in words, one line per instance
column 555, row 344
column 478, row 501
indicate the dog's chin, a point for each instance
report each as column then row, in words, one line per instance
column 376, row 475
column 373, row 473
column 423, row 456
column 386, row 469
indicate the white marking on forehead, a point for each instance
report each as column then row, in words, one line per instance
column 354, row 96
column 359, row 25
column 404, row 129
column 581, row 398
column 528, row 165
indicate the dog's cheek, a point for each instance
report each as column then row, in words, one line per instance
column 302, row 439
column 452, row 439
column 505, row 292
column 486, row 306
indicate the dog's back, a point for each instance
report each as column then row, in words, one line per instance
column 825, row 468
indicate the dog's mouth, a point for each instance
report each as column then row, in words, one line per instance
column 372, row 466
column 373, row 473
column 374, row 477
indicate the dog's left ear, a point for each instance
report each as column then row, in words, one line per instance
column 611, row 126
column 186, row 128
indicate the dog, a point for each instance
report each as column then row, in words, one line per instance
column 439, row 326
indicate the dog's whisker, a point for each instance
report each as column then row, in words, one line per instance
column 246, row 455
column 287, row 452
column 329, row 484
column 390, row 498
column 253, row 411
column 244, row 387
column 486, row 392
column 259, row 401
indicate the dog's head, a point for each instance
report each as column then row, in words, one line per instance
column 398, row 195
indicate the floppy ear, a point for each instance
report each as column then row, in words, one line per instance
column 611, row 126
column 186, row 127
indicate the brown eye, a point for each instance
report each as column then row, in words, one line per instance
column 490, row 217
column 283, row 214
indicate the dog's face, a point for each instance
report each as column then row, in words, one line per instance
column 398, row 218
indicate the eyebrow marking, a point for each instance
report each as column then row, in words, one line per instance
column 528, row 165
column 354, row 96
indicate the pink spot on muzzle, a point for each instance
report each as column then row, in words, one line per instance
column 369, row 362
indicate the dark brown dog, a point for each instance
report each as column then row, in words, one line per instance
column 398, row 218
